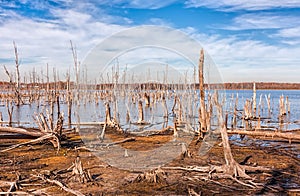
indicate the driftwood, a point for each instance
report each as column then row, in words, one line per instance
column 54, row 140
column 21, row 131
column 231, row 169
column 44, row 133
column 272, row 134
column 60, row 184
column 13, row 186
column 163, row 131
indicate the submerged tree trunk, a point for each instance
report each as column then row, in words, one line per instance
column 254, row 100
column 18, row 86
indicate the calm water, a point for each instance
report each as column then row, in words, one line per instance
column 292, row 119
column 91, row 112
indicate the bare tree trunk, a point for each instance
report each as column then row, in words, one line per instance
column 17, row 89
column 10, row 109
column 268, row 99
column 48, row 84
column 147, row 99
column 231, row 166
column 141, row 112
column 202, row 109
column 254, row 99
column 76, row 95
column 1, row 119
column 234, row 118
column 69, row 100
column 107, row 114
column 282, row 106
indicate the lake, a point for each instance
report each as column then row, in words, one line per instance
column 89, row 111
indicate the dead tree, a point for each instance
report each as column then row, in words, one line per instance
column 231, row 167
column 76, row 93
column 10, row 109
column 69, row 100
column 78, row 173
column 234, row 118
column 45, row 133
column 202, row 110
column 254, row 99
column 12, row 84
column 147, row 99
column 18, row 86
column 268, row 99
column 282, row 108
column 141, row 112
column 1, row 119
column 107, row 114
column 109, row 123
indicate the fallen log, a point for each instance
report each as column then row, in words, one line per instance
column 44, row 133
column 21, row 131
column 54, row 140
column 288, row 136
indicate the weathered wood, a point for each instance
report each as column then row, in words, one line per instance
column 20, row 131
column 61, row 185
column 78, row 172
column 288, row 136
column 107, row 114
column 51, row 137
column 231, row 167
column 17, row 88
column 254, row 99
column 202, row 109
column 141, row 112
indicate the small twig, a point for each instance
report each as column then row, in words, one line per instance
column 61, row 185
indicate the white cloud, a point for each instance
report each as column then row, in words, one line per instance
column 47, row 41
column 285, row 28
column 139, row 4
column 233, row 5
column 263, row 21
column 251, row 60
column 290, row 32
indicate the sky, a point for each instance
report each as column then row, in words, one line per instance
column 257, row 40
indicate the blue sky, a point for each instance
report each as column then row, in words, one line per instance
column 256, row 40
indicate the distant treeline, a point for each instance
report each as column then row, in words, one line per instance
column 263, row 85
column 153, row 86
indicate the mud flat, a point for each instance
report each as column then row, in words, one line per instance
column 32, row 167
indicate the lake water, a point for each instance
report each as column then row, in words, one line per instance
column 92, row 112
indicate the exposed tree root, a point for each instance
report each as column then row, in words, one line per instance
column 153, row 176
column 78, row 173
column 45, row 132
